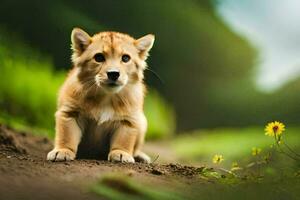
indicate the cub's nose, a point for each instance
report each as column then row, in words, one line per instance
column 113, row 75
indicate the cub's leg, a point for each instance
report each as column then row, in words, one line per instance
column 67, row 138
column 122, row 144
column 140, row 156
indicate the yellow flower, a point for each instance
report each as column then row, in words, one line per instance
column 234, row 164
column 235, row 167
column 274, row 129
column 217, row 159
column 256, row 151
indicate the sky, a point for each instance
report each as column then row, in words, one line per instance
column 273, row 27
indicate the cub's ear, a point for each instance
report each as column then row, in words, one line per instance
column 144, row 44
column 80, row 40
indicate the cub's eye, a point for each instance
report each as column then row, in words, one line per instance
column 125, row 58
column 99, row 57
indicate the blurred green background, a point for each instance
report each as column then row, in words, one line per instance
column 207, row 68
column 225, row 69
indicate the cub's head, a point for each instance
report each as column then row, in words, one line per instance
column 109, row 60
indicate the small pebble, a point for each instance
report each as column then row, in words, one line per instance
column 131, row 172
column 156, row 172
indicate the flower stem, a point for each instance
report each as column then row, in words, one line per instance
column 291, row 150
column 229, row 172
column 283, row 152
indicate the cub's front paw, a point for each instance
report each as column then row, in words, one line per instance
column 120, row 156
column 142, row 157
column 61, row 155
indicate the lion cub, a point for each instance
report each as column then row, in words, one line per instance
column 100, row 105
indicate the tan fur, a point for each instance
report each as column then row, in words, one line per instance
column 91, row 114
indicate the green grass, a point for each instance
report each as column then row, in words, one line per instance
column 232, row 143
column 28, row 85
column 119, row 186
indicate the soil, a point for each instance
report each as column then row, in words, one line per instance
column 25, row 174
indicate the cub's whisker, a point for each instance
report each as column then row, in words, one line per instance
column 156, row 75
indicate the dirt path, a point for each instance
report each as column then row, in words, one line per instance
column 25, row 174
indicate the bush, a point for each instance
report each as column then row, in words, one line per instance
column 160, row 116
